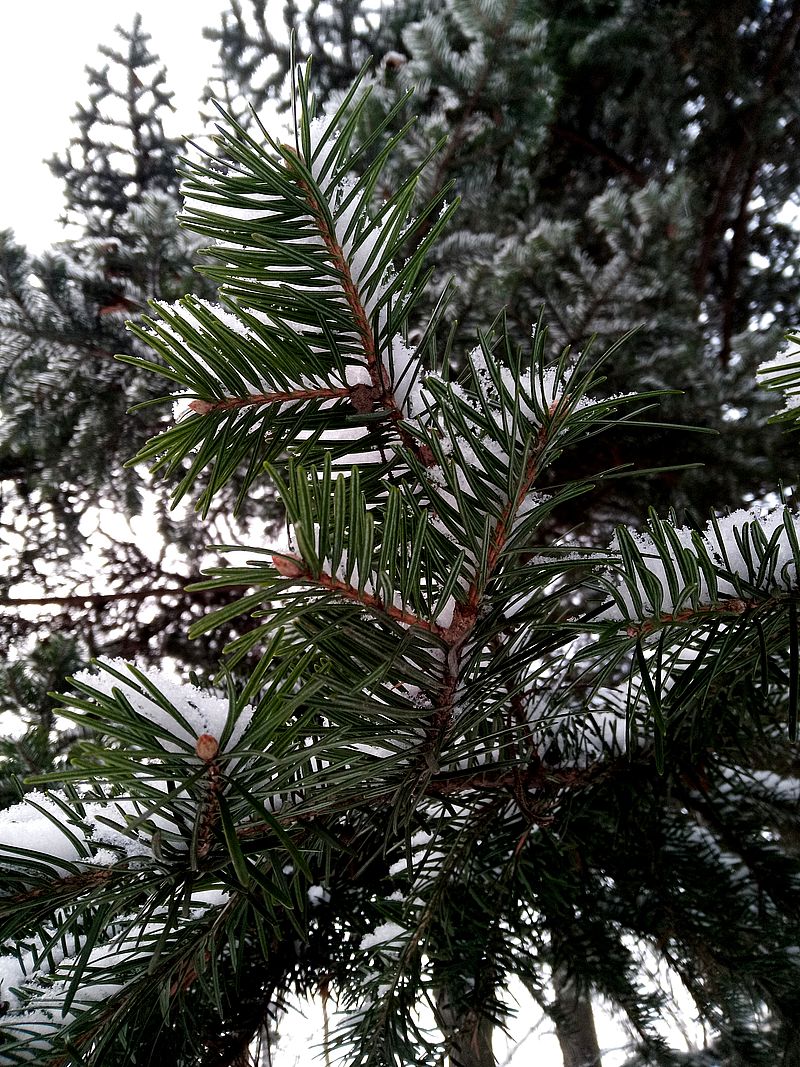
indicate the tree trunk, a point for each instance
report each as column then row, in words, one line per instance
column 468, row 1036
column 574, row 1021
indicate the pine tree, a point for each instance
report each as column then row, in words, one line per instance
column 120, row 151
column 92, row 561
column 80, row 567
column 456, row 742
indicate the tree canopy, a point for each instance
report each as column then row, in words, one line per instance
column 485, row 717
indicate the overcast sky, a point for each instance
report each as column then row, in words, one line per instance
column 44, row 48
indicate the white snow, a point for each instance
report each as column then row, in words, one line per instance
column 381, row 935
column 355, row 375
column 323, row 145
column 783, row 372
column 736, row 545
column 317, row 895
column 38, row 824
column 184, row 713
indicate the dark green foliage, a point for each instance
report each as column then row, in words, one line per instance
column 26, row 701
column 444, row 772
column 625, row 167
column 558, row 764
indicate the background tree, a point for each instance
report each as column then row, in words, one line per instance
column 120, row 150
column 255, row 50
column 62, row 320
column 625, row 169
column 92, row 560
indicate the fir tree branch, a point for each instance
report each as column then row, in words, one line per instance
column 207, row 748
column 736, row 255
column 58, row 888
column 230, row 403
column 382, row 394
column 733, row 606
column 465, row 615
column 534, row 777
column 294, row 567
column 460, row 131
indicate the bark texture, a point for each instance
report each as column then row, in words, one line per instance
column 574, row 1022
column 468, row 1036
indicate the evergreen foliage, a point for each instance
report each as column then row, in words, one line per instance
column 616, row 791
column 120, row 151
column 453, row 749
column 625, row 167
column 70, row 506
column 62, row 452
column 255, row 59
column 25, row 688
column 61, row 321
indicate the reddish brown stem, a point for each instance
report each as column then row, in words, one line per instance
column 724, row 607
column 466, row 614
column 296, row 568
column 206, row 407
column 382, row 394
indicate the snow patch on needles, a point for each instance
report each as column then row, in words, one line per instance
column 318, row 894
column 323, row 143
column 669, row 569
column 43, row 973
column 182, row 711
column 39, row 825
column 783, row 373
column 384, row 934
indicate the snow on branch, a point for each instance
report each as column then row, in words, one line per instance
column 783, row 375
column 670, row 572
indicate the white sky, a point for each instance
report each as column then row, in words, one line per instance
column 44, row 47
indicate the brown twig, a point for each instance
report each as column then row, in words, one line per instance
column 733, row 606
column 96, row 599
column 382, row 394
column 73, row 884
column 207, row 748
column 466, row 614
column 206, row 407
column 294, row 567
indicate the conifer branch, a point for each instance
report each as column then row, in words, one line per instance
column 230, row 403
column 207, row 748
column 504, row 766
column 749, row 146
column 465, row 615
column 381, row 393
column 72, row 885
column 733, row 606
column 459, row 133
column 295, row 568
